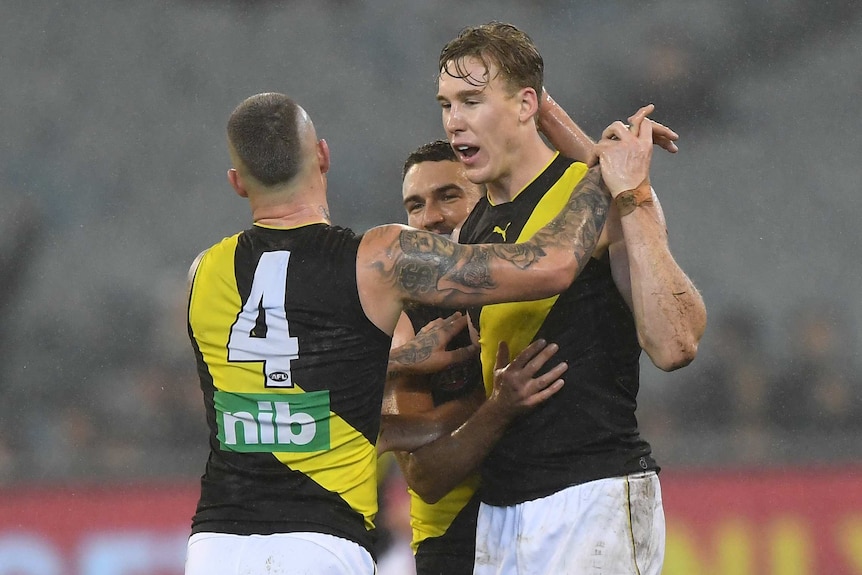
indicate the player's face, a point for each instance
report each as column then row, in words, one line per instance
column 481, row 119
column 438, row 196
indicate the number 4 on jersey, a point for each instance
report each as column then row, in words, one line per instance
column 260, row 332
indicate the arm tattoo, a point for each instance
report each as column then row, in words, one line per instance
column 424, row 262
column 429, row 258
column 573, row 225
column 416, row 350
column 432, row 263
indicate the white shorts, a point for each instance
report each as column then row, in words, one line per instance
column 283, row 553
column 610, row 527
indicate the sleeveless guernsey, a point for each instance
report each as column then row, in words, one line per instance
column 292, row 373
column 588, row 430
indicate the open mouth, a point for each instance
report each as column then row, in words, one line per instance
column 466, row 152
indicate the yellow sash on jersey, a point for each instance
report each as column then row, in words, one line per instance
column 433, row 520
column 516, row 323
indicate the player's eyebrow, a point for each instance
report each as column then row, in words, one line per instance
column 446, row 188
column 414, row 198
column 462, row 94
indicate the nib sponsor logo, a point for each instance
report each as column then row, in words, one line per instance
column 272, row 422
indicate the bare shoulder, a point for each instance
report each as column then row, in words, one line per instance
column 379, row 291
column 381, row 237
column 378, row 247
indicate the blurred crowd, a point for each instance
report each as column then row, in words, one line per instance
column 742, row 402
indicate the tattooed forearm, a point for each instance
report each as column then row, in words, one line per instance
column 430, row 261
column 521, row 255
column 393, row 373
column 414, row 351
column 422, row 263
column 580, row 222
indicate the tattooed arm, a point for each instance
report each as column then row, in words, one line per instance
column 410, row 417
column 397, row 264
column 426, row 352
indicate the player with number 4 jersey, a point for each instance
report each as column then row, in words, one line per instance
column 274, row 409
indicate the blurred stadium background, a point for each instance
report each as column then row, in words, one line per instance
column 113, row 179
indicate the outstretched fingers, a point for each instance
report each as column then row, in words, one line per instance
column 549, row 383
column 646, row 132
column 454, row 323
column 524, row 367
column 662, row 136
column 427, row 352
column 644, row 111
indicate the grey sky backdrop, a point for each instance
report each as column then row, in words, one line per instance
column 113, row 116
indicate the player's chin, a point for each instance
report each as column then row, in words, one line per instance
column 479, row 175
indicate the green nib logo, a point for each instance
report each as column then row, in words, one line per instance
column 266, row 423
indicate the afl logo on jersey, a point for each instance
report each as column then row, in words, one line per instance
column 279, row 376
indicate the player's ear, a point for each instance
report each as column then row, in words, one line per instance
column 529, row 102
column 323, row 156
column 236, row 183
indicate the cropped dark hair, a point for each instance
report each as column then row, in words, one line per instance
column 263, row 131
column 512, row 50
column 436, row 151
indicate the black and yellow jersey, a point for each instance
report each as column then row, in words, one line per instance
column 588, row 430
column 292, row 373
column 444, row 533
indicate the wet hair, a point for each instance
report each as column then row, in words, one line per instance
column 513, row 51
column 436, row 151
column 263, row 131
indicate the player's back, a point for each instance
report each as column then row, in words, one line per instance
column 292, row 374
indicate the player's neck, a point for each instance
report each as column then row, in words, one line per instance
column 526, row 164
column 291, row 215
column 291, row 206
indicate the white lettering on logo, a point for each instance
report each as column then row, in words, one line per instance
column 274, row 424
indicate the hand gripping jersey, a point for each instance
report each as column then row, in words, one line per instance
column 444, row 533
column 588, row 430
column 292, row 374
